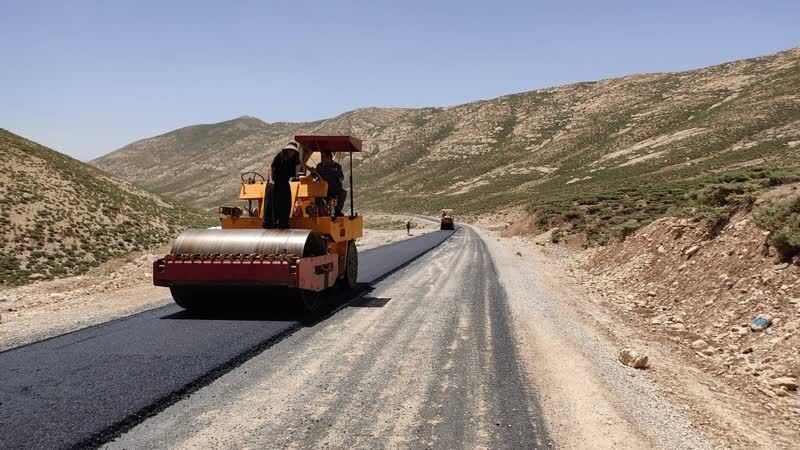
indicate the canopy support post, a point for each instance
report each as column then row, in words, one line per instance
column 352, row 194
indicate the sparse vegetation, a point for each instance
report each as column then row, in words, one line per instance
column 618, row 212
column 61, row 217
column 783, row 222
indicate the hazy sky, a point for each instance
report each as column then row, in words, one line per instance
column 85, row 78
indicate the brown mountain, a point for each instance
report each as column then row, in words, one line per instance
column 642, row 138
column 59, row 216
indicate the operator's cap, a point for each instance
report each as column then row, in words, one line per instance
column 327, row 153
column 292, row 145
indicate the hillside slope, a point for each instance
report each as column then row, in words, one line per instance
column 544, row 148
column 59, row 216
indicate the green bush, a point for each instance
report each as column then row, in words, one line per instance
column 783, row 222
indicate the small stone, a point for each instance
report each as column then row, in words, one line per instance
column 781, row 392
column 708, row 351
column 691, row 251
column 747, row 350
column 651, row 294
column 789, row 383
column 761, row 322
column 632, row 358
column 699, row 344
column 793, row 325
column 781, row 266
column 36, row 276
column 519, row 253
column 661, row 249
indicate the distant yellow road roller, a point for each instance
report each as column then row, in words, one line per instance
column 448, row 223
column 206, row 267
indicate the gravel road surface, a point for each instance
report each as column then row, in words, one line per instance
column 83, row 387
column 426, row 359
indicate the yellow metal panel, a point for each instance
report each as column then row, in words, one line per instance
column 252, row 191
column 241, row 222
column 309, row 187
column 341, row 229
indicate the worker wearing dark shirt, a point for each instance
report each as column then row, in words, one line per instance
column 331, row 171
column 282, row 169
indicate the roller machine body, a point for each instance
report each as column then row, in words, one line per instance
column 448, row 221
column 317, row 251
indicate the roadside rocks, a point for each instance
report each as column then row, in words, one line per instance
column 633, row 358
column 789, row 383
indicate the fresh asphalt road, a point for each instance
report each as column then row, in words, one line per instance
column 427, row 359
column 82, row 388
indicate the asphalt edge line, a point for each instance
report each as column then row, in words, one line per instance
column 366, row 288
column 414, row 258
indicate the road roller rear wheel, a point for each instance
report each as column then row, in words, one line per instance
column 350, row 278
column 312, row 305
column 190, row 298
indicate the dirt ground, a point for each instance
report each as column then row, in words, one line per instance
column 123, row 286
column 589, row 399
column 690, row 314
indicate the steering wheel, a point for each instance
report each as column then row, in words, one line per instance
column 251, row 179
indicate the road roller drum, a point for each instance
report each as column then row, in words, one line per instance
column 299, row 243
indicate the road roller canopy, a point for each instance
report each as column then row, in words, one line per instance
column 334, row 144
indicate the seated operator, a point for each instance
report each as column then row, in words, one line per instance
column 331, row 171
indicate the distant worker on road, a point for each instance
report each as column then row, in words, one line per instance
column 331, row 171
column 408, row 227
column 282, row 169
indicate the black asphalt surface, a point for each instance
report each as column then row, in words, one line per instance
column 82, row 388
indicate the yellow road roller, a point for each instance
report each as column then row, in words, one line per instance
column 447, row 223
column 206, row 268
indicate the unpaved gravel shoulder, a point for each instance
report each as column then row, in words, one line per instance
column 589, row 399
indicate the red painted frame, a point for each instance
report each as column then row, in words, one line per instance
column 314, row 274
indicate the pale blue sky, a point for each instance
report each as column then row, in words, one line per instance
column 86, row 77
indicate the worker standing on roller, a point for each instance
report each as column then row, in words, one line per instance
column 282, row 169
column 331, row 171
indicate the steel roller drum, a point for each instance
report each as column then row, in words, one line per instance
column 302, row 243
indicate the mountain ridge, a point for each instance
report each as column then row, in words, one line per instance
column 531, row 149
